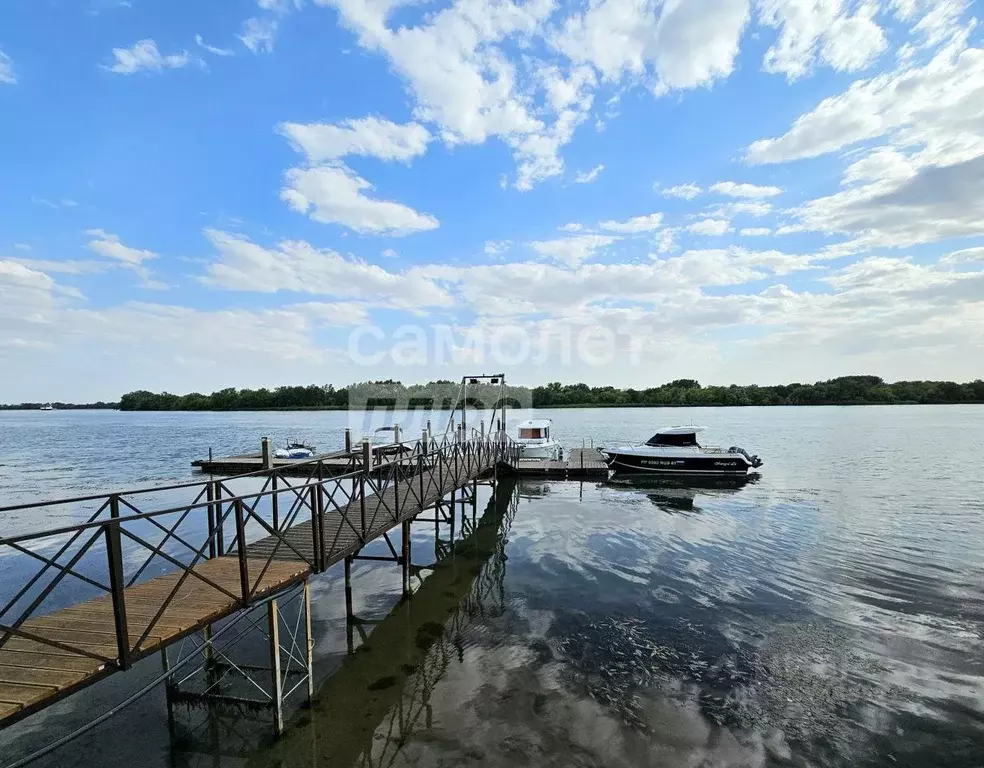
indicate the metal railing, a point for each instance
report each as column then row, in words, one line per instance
column 312, row 520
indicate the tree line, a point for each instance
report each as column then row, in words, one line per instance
column 844, row 390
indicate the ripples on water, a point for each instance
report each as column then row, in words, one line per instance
column 828, row 613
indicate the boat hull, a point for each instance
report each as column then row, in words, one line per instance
column 541, row 451
column 699, row 464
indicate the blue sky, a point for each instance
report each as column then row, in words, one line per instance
column 250, row 193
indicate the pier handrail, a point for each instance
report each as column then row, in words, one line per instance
column 419, row 471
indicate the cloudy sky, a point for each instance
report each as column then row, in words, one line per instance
column 256, row 192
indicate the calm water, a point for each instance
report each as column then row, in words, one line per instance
column 830, row 613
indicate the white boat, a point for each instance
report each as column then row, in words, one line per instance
column 675, row 450
column 535, row 441
column 294, row 450
column 47, row 407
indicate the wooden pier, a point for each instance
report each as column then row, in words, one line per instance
column 581, row 463
column 189, row 566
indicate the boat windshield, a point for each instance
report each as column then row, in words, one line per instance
column 532, row 433
column 687, row 438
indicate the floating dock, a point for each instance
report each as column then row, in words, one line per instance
column 579, row 463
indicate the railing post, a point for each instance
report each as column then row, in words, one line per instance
column 275, row 502
column 396, row 486
column 210, row 497
column 241, row 546
column 117, row 585
column 219, row 518
column 320, row 557
column 420, row 464
column 366, row 459
column 316, row 538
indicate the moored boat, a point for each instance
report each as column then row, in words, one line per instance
column 294, row 450
column 675, row 450
column 535, row 441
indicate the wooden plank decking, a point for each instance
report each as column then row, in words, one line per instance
column 34, row 674
column 340, row 528
column 580, row 462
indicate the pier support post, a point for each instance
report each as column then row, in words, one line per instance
column 349, row 612
column 348, row 441
column 429, row 431
column 165, row 663
column 309, row 642
column 397, row 434
column 405, row 559
column 273, row 622
column 266, row 453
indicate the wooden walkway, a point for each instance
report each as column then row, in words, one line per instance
column 340, row 535
column 34, row 674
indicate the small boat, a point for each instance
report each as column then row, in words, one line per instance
column 676, row 450
column 47, row 407
column 387, row 445
column 535, row 442
column 294, row 450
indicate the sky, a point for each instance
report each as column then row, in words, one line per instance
column 253, row 193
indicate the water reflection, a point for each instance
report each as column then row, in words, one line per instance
column 673, row 494
column 380, row 695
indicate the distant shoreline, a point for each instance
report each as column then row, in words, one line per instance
column 566, row 406
column 446, row 395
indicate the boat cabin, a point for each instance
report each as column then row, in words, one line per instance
column 676, row 436
column 534, row 429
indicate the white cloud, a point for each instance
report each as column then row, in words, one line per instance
column 297, row 266
column 213, row 49
column 572, row 226
column 965, row 256
column 573, row 250
column 68, row 266
column 112, row 247
column 665, row 241
column 337, row 195
column 821, row 31
column 634, row 225
column 389, row 253
column 731, row 189
column 63, row 203
column 756, row 208
column 587, row 177
column 913, row 102
column 258, row 34
column 755, row 232
column 711, row 227
column 144, row 55
column 495, row 247
column 369, row 136
column 462, row 80
column 280, row 6
column 682, row 45
column 7, row 74
column 683, row 191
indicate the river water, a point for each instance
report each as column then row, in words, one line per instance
column 829, row 613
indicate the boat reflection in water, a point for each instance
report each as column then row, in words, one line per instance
column 680, row 494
